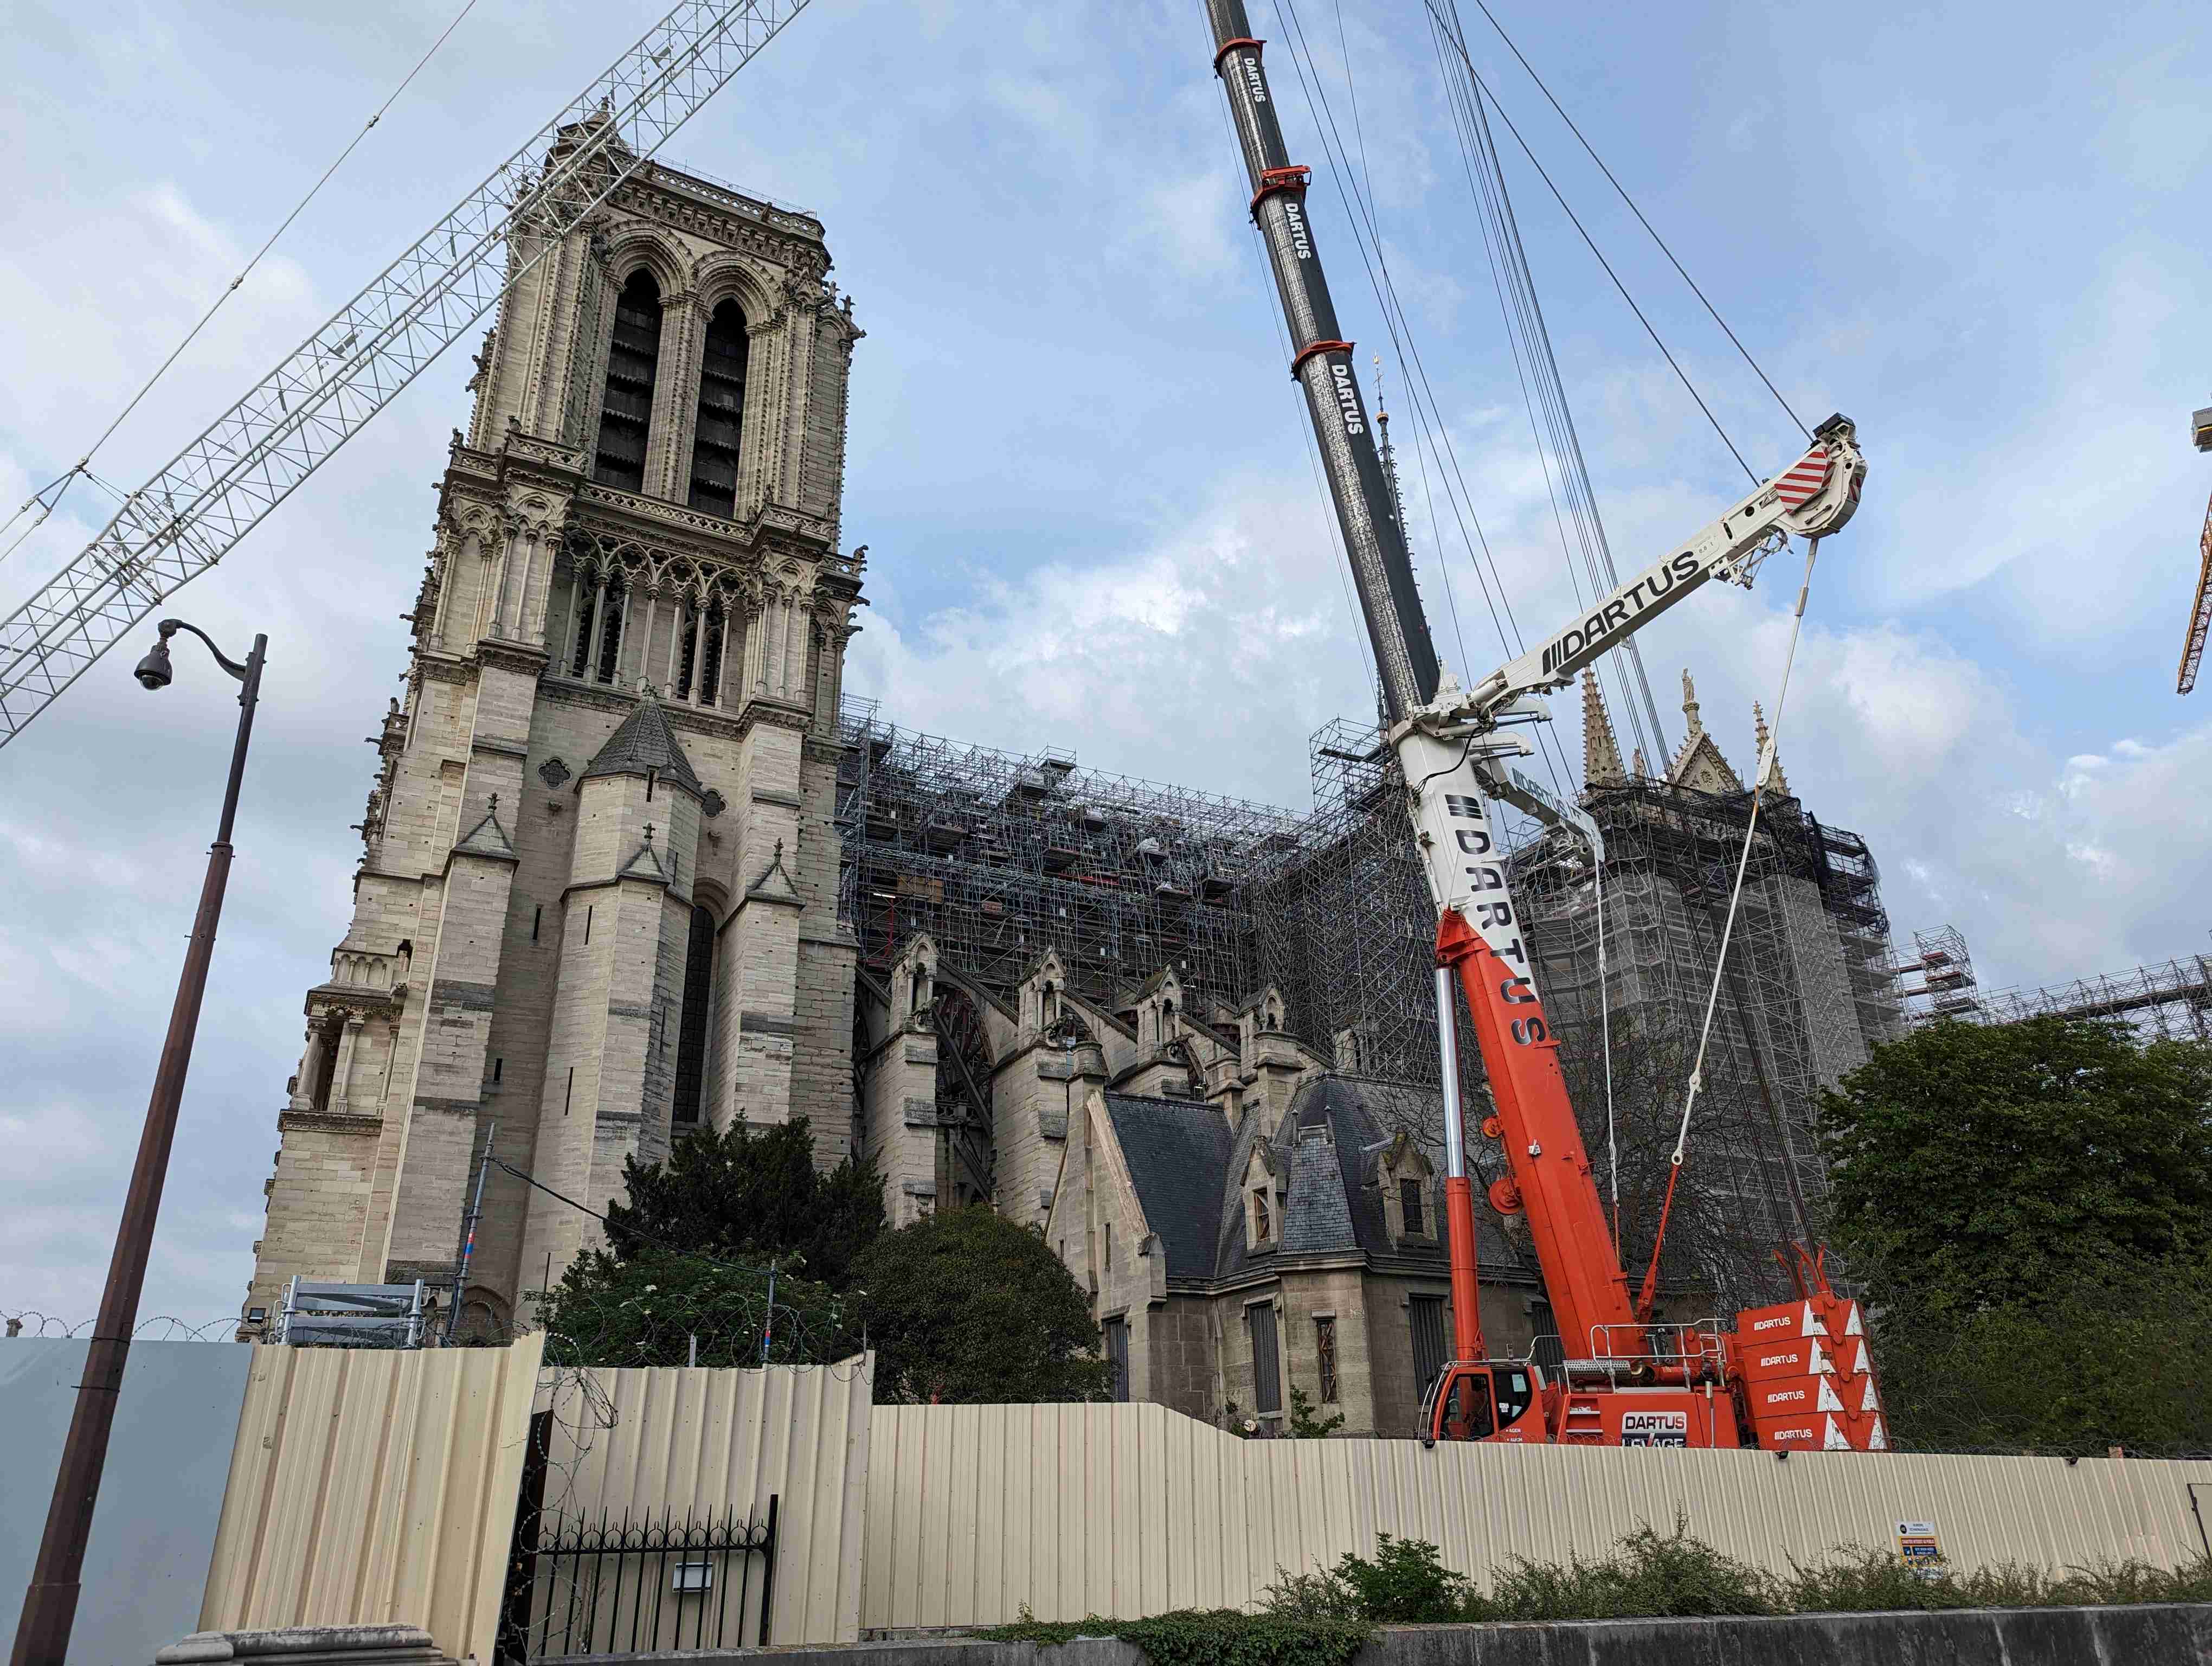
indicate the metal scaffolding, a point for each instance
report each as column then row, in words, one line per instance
column 1345, row 928
column 999, row 857
column 2163, row 1000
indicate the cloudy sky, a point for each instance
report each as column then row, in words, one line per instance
column 1081, row 471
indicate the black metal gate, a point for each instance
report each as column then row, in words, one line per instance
column 578, row 1585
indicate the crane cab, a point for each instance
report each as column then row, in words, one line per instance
column 1494, row 1400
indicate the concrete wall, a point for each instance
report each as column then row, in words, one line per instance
column 976, row 1510
column 155, row 1527
column 2171, row 1634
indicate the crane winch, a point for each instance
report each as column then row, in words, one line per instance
column 1791, row 1376
column 189, row 515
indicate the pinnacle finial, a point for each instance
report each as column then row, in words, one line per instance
column 1601, row 751
column 648, row 832
column 1642, row 766
column 1690, row 704
column 495, row 804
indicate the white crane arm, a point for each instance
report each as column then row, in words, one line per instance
column 1813, row 497
column 187, row 517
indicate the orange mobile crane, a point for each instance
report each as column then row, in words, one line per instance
column 1795, row 1375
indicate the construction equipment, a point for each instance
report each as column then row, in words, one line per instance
column 2200, row 610
column 1786, row 1376
column 187, row 517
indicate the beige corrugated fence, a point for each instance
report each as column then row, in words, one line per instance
column 371, row 1486
column 700, row 1443
column 974, row 1512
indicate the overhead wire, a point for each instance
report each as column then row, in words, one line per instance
column 1459, row 47
column 1527, row 335
column 1641, row 221
column 59, row 486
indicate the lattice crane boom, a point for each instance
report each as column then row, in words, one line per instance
column 250, row 458
column 2200, row 610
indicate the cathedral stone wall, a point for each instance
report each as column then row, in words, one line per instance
column 615, row 761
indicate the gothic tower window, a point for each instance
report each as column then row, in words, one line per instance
column 699, row 672
column 600, row 606
column 626, row 413
column 691, row 1037
column 721, row 413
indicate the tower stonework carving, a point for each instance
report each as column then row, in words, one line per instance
column 597, row 903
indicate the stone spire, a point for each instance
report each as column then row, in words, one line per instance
column 1690, row 705
column 1766, row 740
column 1601, row 751
column 1641, row 766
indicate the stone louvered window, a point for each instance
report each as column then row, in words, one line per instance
column 721, row 412
column 633, row 363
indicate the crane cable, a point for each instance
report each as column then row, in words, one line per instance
column 1459, row 47
column 1483, row 7
column 59, row 487
column 1767, row 767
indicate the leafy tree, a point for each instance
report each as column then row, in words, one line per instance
column 2111, row 1355
column 750, row 1194
column 653, row 1308
column 964, row 1306
column 1306, row 1421
column 1977, row 1163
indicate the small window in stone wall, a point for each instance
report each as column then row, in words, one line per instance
column 1117, row 1356
column 1263, row 1224
column 1409, row 1201
column 1325, row 1355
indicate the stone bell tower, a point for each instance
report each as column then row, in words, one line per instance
column 597, row 903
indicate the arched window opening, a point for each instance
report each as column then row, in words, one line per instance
column 606, row 656
column 691, row 1034
column 1048, row 1007
column 701, row 674
column 626, row 413
column 721, row 413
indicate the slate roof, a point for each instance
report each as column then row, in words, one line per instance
column 1189, row 1169
column 645, row 741
column 1176, row 1151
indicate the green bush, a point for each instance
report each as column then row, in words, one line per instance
column 1406, row 1584
column 1215, row 1637
column 1649, row 1574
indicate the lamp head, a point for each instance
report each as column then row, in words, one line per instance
column 153, row 672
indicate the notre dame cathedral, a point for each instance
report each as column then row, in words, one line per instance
column 633, row 864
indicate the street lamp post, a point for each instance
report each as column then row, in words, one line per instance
column 42, row 1636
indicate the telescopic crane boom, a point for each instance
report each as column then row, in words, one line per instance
column 1630, row 1383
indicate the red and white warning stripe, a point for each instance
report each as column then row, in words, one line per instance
column 1805, row 478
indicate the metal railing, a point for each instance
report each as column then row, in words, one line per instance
column 587, row 1587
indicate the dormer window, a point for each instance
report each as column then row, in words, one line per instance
column 1409, row 1207
column 1263, row 1224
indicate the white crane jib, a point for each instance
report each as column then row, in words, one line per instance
column 1452, row 751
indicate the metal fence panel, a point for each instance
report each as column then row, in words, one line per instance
column 974, row 1512
column 675, row 1442
column 371, row 1486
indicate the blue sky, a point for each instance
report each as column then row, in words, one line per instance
column 1081, row 467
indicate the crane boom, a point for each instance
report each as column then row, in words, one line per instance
column 250, row 458
column 2200, row 610
column 1381, row 569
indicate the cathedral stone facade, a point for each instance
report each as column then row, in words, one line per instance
column 597, row 902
